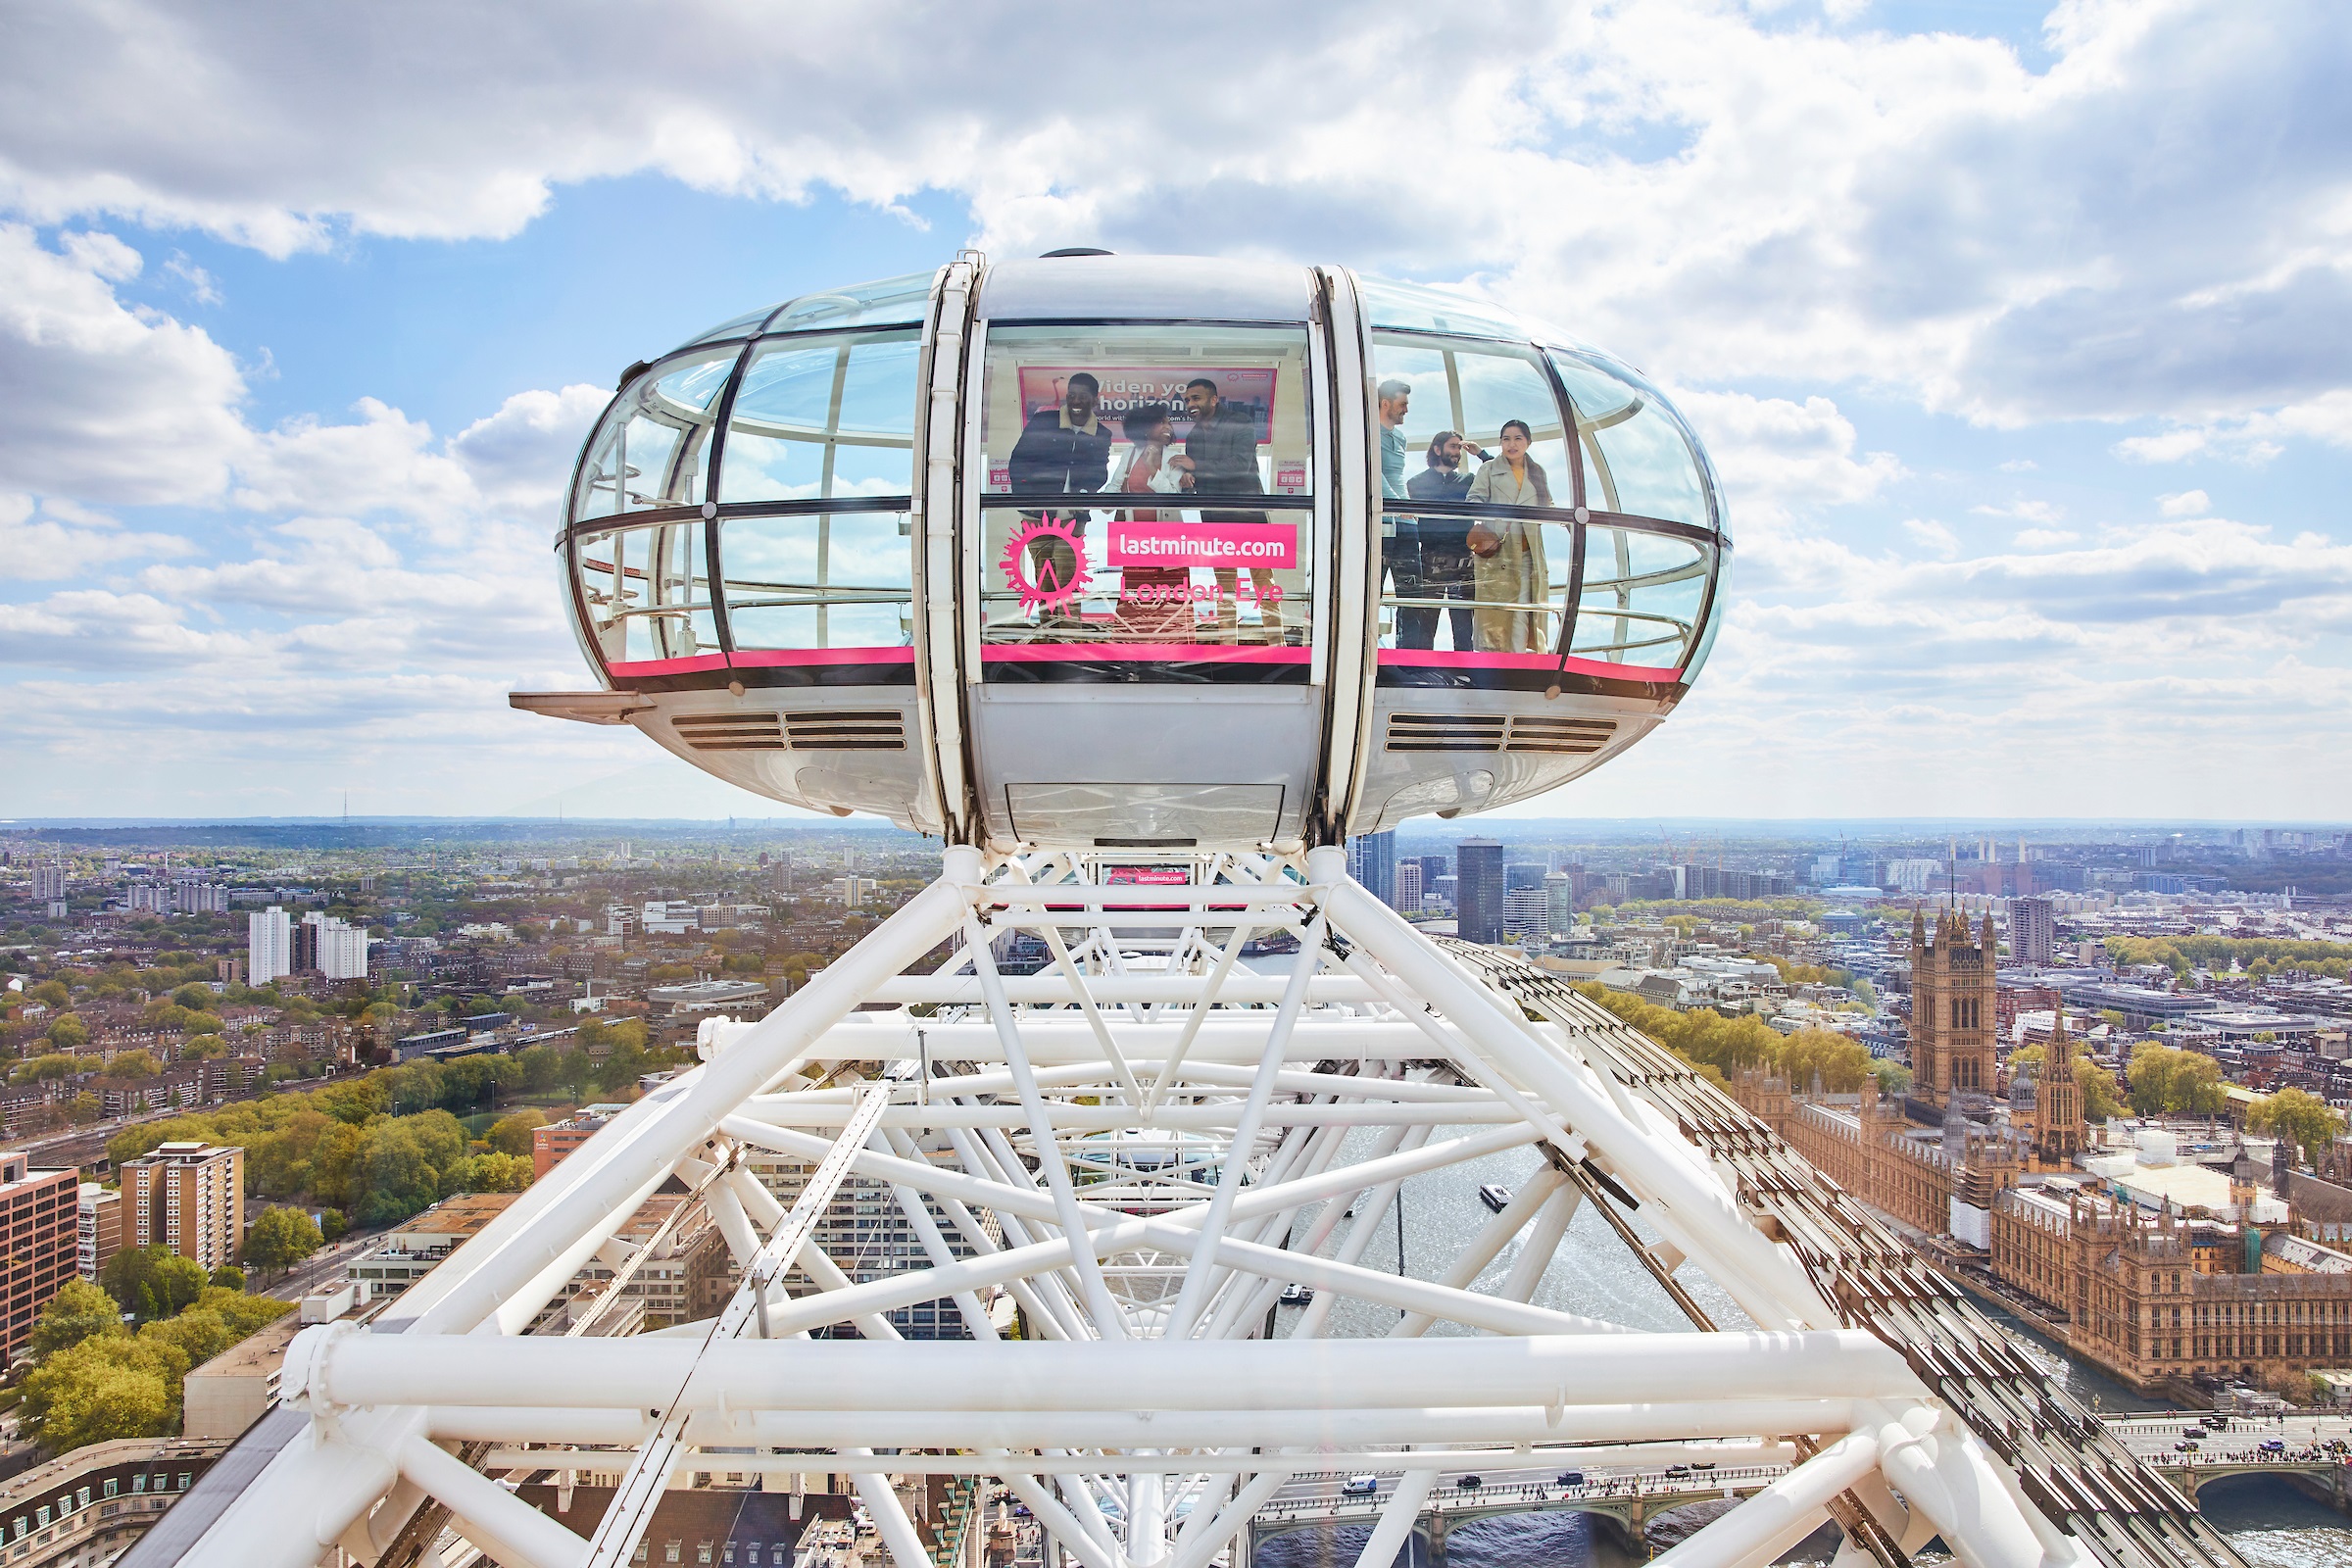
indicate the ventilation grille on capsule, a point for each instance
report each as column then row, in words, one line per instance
column 1496, row 732
column 881, row 730
column 877, row 731
column 729, row 732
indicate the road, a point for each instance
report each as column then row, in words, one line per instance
column 320, row 1267
column 2238, row 1441
column 1321, row 1494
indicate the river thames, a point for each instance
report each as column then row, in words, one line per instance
column 2272, row 1525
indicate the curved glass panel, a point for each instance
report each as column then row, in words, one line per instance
column 1415, row 307
column 1454, row 399
column 647, row 592
column 1638, row 459
column 1507, row 600
column 884, row 301
column 654, row 446
column 818, row 581
column 824, row 419
column 742, row 325
column 1643, row 593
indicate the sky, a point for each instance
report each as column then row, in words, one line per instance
column 2018, row 332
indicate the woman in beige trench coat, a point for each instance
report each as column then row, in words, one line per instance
column 1510, row 565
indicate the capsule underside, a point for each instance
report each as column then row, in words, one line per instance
column 1140, row 553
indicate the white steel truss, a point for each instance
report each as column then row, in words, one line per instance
column 1126, row 1159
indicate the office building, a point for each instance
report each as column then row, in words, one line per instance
column 2033, row 933
column 1523, row 911
column 1372, row 860
column 1409, row 886
column 1524, row 875
column 1559, row 903
column 268, row 946
column 49, row 881
column 188, row 1197
column 99, row 1236
column 39, row 1207
column 1478, row 890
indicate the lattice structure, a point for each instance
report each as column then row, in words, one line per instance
column 1141, row 1146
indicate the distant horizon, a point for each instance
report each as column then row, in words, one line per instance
column 1484, row 826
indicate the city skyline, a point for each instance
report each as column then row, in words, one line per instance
column 2013, row 519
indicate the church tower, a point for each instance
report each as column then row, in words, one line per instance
column 2057, row 1124
column 1951, row 1009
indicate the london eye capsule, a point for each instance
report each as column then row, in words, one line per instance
column 1103, row 552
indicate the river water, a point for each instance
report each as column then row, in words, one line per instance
column 2272, row 1525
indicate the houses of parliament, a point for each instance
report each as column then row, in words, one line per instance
column 2162, row 1293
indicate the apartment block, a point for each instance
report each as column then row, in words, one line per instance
column 99, row 1235
column 40, row 1209
column 188, row 1197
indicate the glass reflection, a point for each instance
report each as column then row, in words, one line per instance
column 818, row 581
column 1636, row 458
column 816, row 420
column 647, row 592
column 654, row 446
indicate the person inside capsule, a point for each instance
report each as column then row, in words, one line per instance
column 1220, row 457
column 1154, row 601
column 1064, row 449
column 1445, row 547
column 1511, row 576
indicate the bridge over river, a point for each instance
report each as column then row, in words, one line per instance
column 1631, row 1496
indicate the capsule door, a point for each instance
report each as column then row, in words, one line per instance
column 1142, row 533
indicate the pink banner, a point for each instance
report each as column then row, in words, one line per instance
column 1128, row 387
column 1203, row 544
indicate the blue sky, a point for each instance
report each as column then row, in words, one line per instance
column 2018, row 332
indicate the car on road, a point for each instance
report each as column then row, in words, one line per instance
column 1361, row 1486
column 1469, row 1483
column 2272, row 1446
column 2184, row 1447
column 1571, row 1478
column 2195, row 1434
column 1678, row 1470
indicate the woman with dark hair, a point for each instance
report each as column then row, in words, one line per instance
column 1154, row 601
column 1512, row 578
column 1445, row 547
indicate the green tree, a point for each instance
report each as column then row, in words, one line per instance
column 103, row 1388
column 42, row 1069
column 229, row 1277
column 2295, row 1114
column 80, row 1312
column 333, row 1224
column 194, row 997
column 68, row 1033
column 280, row 1238
column 130, row 1067
column 2101, row 1101
column 2167, row 1079
column 154, row 1282
column 49, row 993
column 510, row 1134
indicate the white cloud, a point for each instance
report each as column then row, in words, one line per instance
column 521, row 455
column 2046, row 538
column 99, row 401
column 2185, row 504
column 1779, row 457
column 1933, row 536
column 68, row 541
column 1724, row 195
column 2256, row 437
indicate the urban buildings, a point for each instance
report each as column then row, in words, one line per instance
column 550, row 1143
column 41, row 1211
column 99, row 1233
column 1372, row 860
column 2033, row 931
column 188, row 1197
column 1478, row 890
column 1410, row 891
column 332, row 948
column 268, row 946
column 1952, row 1008
column 49, row 881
